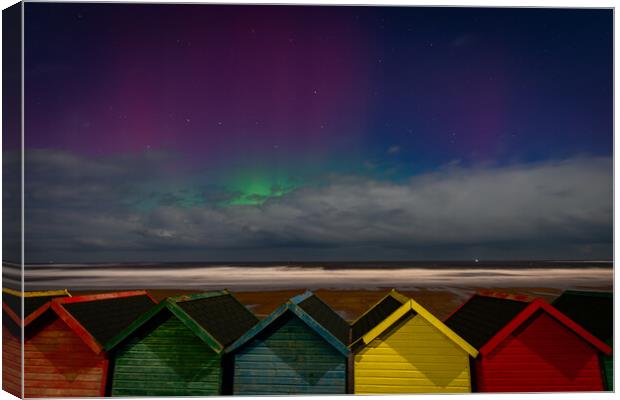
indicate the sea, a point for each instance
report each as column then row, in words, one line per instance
column 368, row 275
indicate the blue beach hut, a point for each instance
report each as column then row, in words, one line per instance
column 301, row 348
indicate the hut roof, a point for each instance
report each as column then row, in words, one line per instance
column 217, row 318
column 377, row 313
column 487, row 309
column 592, row 310
column 413, row 307
column 483, row 316
column 306, row 312
column 221, row 314
column 324, row 315
column 34, row 302
column 98, row 318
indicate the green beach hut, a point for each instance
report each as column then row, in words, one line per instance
column 301, row 348
column 595, row 312
column 176, row 348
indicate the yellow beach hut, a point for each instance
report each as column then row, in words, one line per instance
column 410, row 351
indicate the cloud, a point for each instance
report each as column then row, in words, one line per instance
column 83, row 209
column 393, row 149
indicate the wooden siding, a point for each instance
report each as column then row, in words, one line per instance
column 412, row 357
column 11, row 362
column 540, row 356
column 289, row 358
column 59, row 364
column 608, row 371
column 165, row 358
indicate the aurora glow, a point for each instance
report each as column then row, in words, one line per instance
column 149, row 125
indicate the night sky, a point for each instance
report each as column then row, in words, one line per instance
column 207, row 132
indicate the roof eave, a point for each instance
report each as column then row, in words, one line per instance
column 195, row 327
column 76, row 327
column 412, row 305
column 137, row 324
column 302, row 315
column 526, row 313
column 256, row 329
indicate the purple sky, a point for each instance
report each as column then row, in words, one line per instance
column 167, row 132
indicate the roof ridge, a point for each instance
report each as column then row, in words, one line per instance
column 369, row 309
column 412, row 305
column 302, row 296
column 505, row 296
column 197, row 296
column 100, row 296
column 558, row 315
column 186, row 319
column 399, row 296
column 593, row 293
column 316, row 296
column 39, row 293
column 299, row 313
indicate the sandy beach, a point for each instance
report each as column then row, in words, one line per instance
column 352, row 303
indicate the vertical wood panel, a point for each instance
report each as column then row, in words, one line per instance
column 541, row 356
column 164, row 358
column 412, row 357
column 289, row 358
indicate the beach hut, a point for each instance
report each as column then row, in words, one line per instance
column 408, row 351
column 176, row 348
column 65, row 340
column 376, row 314
column 34, row 304
column 301, row 348
column 527, row 345
column 595, row 312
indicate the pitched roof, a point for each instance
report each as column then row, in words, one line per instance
column 294, row 306
column 592, row 310
column 413, row 307
column 488, row 309
column 99, row 318
column 33, row 302
column 324, row 315
column 217, row 318
column 377, row 313
column 482, row 317
column 222, row 315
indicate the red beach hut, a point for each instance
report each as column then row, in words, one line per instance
column 64, row 342
column 34, row 304
column 527, row 345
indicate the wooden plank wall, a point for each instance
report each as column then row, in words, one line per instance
column 165, row 358
column 412, row 357
column 289, row 358
column 541, row 356
column 11, row 360
column 608, row 371
column 59, row 364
